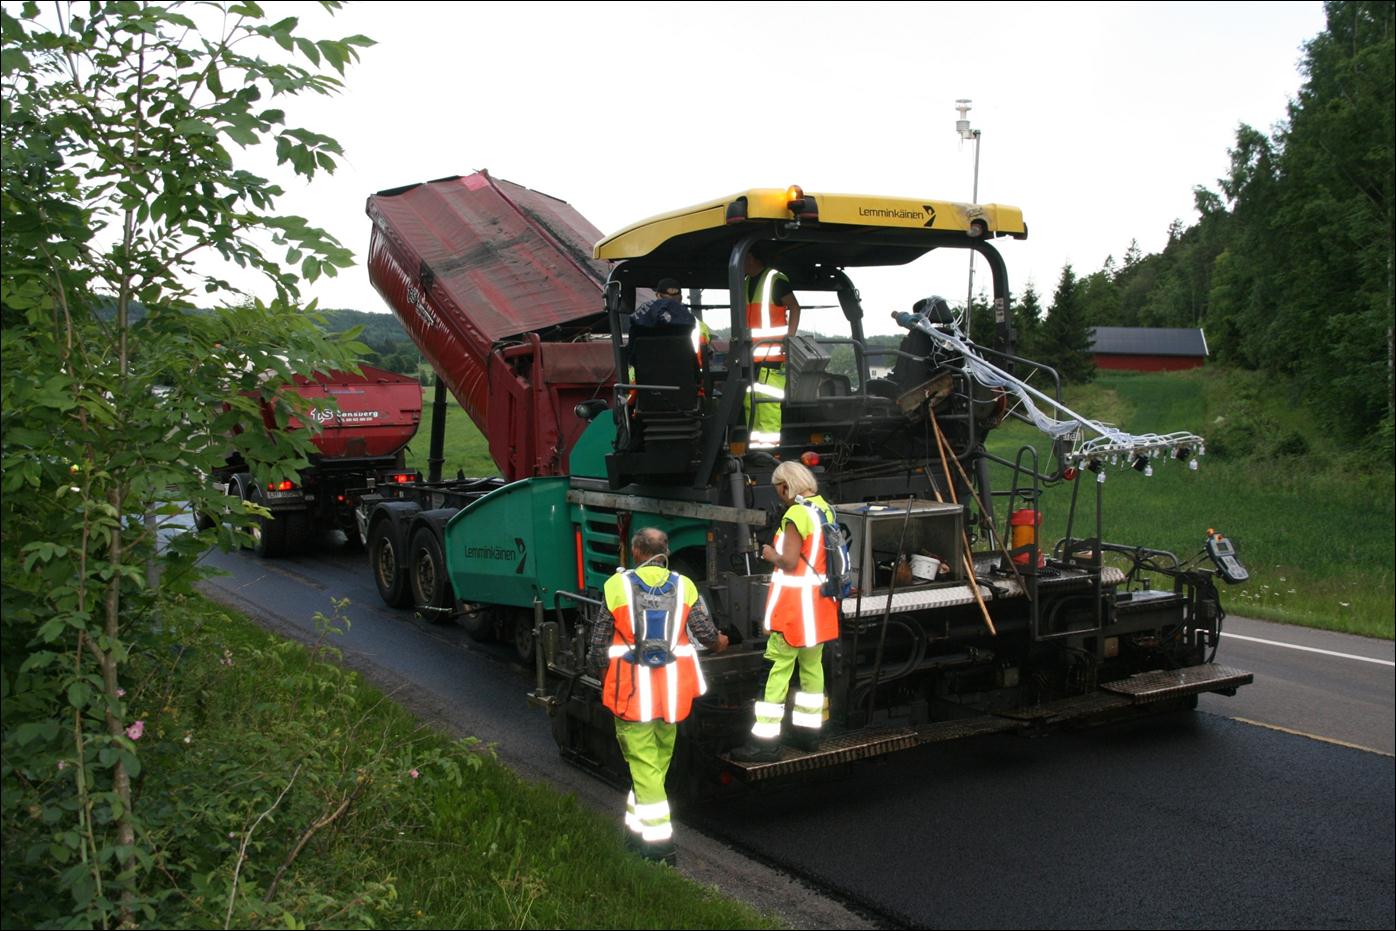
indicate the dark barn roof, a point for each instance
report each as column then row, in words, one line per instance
column 1148, row 341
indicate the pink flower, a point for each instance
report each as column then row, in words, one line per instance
column 136, row 730
column 120, row 692
column 62, row 764
column 413, row 773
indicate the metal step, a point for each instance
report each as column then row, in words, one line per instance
column 1068, row 709
column 940, row 731
column 1162, row 684
column 844, row 748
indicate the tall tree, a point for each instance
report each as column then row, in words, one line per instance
column 1066, row 339
column 1027, row 320
column 119, row 184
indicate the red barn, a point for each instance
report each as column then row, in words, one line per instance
column 1148, row 349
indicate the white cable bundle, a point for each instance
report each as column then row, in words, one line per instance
column 1109, row 441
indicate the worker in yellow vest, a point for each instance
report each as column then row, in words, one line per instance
column 651, row 677
column 799, row 617
column 772, row 315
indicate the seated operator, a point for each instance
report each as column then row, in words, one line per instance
column 669, row 310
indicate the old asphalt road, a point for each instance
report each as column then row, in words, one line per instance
column 1270, row 809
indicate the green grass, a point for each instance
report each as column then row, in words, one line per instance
column 251, row 739
column 1313, row 526
column 465, row 447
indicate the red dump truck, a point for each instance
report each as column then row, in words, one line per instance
column 365, row 421
column 496, row 286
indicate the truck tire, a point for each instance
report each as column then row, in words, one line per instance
column 269, row 537
column 389, row 568
column 524, row 644
column 268, row 533
column 431, row 589
column 297, row 533
column 480, row 624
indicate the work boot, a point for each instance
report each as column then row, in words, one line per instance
column 801, row 738
column 757, row 750
column 662, row 852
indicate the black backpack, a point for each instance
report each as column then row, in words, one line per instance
column 838, row 567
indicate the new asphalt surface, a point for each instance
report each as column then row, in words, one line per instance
column 1187, row 821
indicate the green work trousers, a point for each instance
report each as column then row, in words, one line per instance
column 648, row 747
column 783, row 659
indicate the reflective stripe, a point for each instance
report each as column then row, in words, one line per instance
column 768, row 717
column 809, row 701
column 808, row 719
column 786, row 580
column 644, row 684
column 632, row 820
column 769, row 391
column 769, row 710
column 617, row 651
column 652, row 811
column 654, row 821
column 653, row 834
column 768, row 287
column 762, row 332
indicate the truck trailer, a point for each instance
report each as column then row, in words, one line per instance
column 599, row 429
column 363, row 422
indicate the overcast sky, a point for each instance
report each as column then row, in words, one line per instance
column 1097, row 119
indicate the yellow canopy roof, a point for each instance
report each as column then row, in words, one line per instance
column 834, row 211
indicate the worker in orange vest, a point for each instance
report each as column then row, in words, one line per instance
column 652, row 675
column 772, row 315
column 799, row 617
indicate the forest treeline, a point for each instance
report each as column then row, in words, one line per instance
column 1288, row 267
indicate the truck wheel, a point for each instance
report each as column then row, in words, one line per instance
column 518, row 627
column 431, row 590
column 203, row 521
column 269, row 537
column 389, row 569
column 479, row 624
column 297, row 532
column 523, row 638
column 268, row 533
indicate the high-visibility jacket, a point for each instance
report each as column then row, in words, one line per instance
column 794, row 607
column 653, row 670
column 765, row 317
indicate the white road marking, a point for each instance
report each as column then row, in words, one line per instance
column 1327, row 740
column 1295, row 646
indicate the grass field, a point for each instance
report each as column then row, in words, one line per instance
column 251, row 743
column 1313, row 526
column 1313, row 519
column 465, row 448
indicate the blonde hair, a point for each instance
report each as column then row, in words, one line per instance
column 797, row 479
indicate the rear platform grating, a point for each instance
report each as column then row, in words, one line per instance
column 832, row 751
column 965, row 727
column 1174, row 683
